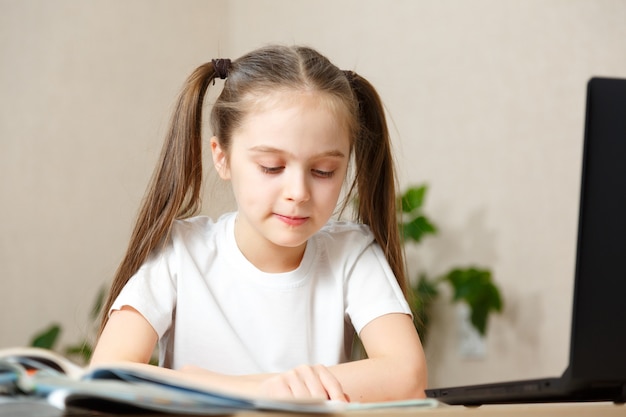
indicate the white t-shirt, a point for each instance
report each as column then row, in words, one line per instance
column 212, row 308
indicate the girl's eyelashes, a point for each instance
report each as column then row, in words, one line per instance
column 271, row 170
column 323, row 174
column 278, row 169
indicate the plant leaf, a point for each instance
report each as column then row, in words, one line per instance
column 413, row 198
column 417, row 228
column 422, row 295
column 98, row 303
column 47, row 338
column 478, row 317
column 81, row 350
column 426, row 289
column 475, row 287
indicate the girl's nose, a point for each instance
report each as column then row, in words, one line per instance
column 296, row 187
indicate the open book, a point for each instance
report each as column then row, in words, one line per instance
column 132, row 388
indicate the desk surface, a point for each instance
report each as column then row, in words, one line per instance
column 515, row 410
column 530, row 410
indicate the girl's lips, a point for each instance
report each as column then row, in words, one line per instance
column 292, row 221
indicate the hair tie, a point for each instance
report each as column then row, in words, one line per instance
column 222, row 67
column 351, row 76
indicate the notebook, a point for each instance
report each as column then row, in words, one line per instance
column 597, row 357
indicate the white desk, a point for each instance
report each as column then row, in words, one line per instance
column 517, row 410
column 41, row 409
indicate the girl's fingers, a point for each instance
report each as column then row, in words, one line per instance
column 332, row 386
column 305, row 382
column 299, row 382
column 312, row 382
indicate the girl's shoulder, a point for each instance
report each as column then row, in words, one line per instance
column 202, row 223
column 347, row 228
column 338, row 234
column 200, row 230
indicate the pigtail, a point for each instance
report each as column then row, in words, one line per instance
column 375, row 176
column 174, row 190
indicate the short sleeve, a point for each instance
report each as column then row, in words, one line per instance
column 372, row 289
column 152, row 292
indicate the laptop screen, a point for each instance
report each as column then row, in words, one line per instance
column 598, row 348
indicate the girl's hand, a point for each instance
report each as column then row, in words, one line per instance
column 304, row 382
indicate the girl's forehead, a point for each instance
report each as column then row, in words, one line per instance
column 298, row 124
column 267, row 101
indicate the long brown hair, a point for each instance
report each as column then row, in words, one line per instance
column 174, row 191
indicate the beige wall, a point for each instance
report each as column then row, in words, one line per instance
column 86, row 93
column 487, row 106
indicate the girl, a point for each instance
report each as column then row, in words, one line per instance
column 265, row 301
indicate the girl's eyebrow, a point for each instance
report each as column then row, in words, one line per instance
column 335, row 153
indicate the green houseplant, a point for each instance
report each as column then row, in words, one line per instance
column 472, row 285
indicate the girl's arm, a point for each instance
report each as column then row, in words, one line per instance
column 395, row 368
column 396, row 365
column 127, row 337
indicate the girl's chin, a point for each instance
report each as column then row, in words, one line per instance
column 290, row 243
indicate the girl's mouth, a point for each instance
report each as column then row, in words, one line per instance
column 291, row 220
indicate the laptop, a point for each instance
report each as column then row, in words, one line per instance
column 597, row 357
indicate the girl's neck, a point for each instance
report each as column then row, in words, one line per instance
column 266, row 256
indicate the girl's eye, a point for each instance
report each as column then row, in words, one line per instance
column 271, row 170
column 323, row 174
column 277, row 170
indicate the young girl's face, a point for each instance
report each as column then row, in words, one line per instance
column 287, row 164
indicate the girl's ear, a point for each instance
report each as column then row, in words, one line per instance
column 219, row 159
